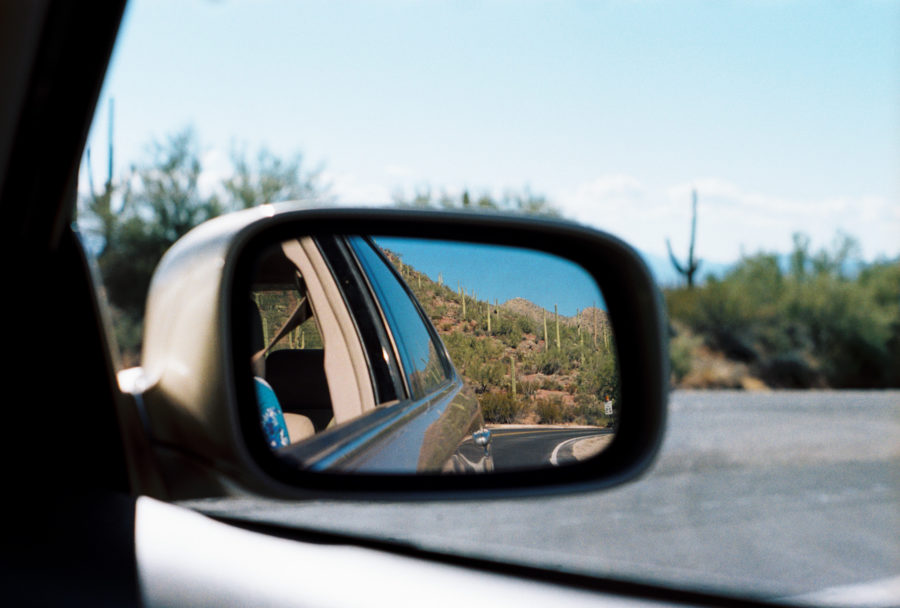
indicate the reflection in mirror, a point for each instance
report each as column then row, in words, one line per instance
column 398, row 355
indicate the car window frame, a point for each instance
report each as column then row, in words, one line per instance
column 384, row 365
column 346, row 352
column 450, row 373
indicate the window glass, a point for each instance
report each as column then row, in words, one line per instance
column 276, row 306
column 423, row 366
column 735, row 144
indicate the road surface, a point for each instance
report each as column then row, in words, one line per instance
column 782, row 494
column 518, row 447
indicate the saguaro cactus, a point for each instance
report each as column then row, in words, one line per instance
column 546, row 335
column 690, row 268
column 512, row 374
column 579, row 317
column 556, row 314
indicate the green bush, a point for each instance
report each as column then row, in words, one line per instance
column 599, row 376
column 529, row 388
column 485, row 375
column 549, row 384
column 552, row 411
column 549, row 362
column 589, row 410
column 501, row 408
column 812, row 322
column 681, row 349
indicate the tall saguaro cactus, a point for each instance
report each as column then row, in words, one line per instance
column 556, row 314
column 690, row 268
column 512, row 374
column 546, row 335
column 462, row 298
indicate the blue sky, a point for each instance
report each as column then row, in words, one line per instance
column 784, row 115
column 500, row 274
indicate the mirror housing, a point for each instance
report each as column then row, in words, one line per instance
column 193, row 427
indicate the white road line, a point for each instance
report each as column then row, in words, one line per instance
column 555, row 454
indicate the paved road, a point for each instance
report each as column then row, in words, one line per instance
column 779, row 494
column 514, row 448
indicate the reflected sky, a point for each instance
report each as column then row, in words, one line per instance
column 501, row 273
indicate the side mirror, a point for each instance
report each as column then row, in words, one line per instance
column 391, row 353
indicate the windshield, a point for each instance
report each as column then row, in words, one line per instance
column 748, row 150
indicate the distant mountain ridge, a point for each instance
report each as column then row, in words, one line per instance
column 585, row 319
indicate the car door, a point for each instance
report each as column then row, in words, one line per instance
column 413, row 382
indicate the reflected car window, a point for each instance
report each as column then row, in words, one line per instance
column 423, row 366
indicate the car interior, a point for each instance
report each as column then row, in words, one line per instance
column 294, row 370
column 303, row 324
column 299, row 376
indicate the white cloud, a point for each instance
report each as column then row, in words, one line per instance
column 217, row 167
column 399, row 171
column 730, row 220
column 348, row 189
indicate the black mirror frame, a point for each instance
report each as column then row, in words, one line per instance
column 633, row 301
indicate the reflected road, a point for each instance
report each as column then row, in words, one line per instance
column 526, row 447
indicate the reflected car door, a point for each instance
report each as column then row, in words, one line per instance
column 417, row 431
column 426, row 365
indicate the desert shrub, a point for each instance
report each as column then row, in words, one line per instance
column 529, row 388
column 589, row 410
column 507, row 329
column 681, row 354
column 466, row 349
column 438, row 312
column 788, row 371
column 549, row 384
column 822, row 315
column 552, row 411
column 485, row 375
column 525, row 325
column 599, row 376
column 843, row 329
column 501, row 408
column 549, row 362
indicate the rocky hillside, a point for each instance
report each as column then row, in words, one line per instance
column 526, row 364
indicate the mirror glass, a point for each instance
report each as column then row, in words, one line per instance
column 399, row 355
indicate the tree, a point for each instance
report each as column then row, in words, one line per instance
column 523, row 201
column 270, row 180
column 159, row 201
